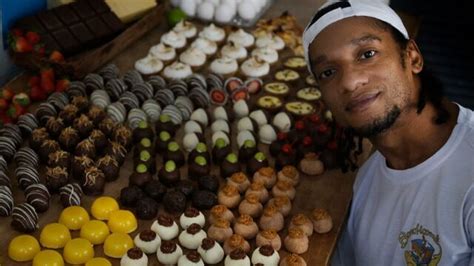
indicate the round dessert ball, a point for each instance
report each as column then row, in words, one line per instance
column 174, row 201
column 205, row 11
column 224, row 13
column 188, row 7
column 247, row 10
column 204, row 200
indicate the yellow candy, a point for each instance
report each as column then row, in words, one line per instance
column 23, row 248
column 99, row 262
column 122, row 221
column 117, row 244
column 95, row 231
column 74, row 217
column 103, row 206
column 54, row 235
column 48, row 258
column 78, row 251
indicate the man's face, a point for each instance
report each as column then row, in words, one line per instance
column 361, row 75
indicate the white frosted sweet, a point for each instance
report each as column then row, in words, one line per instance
column 245, row 123
column 186, row 221
column 241, row 108
column 207, row 46
column 205, row 10
column 214, row 2
column 200, row 115
column 170, row 258
column 220, row 113
column 173, row 39
column 163, row 52
column 247, row 10
column 165, row 232
column 270, row 40
column 224, row 13
column 254, row 67
column 192, row 126
column 191, row 241
column 282, row 122
column 267, row 134
column 241, row 37
column 148, row 65
column 184, row 261
column 213, row 255
column 244, row 135
column 149, row 247
column 127, row 261
column 220, row 135
column 259, row 117
column 193, row 57
column 177, row 70
column 188, row 7
column 235, row 51
column 272, row 260
column 190, row 141
column 224, row 66
column 213, row 33
column 220, row 125
column 186, row 28
column 231, row 262
column 267, row 54
column 231, row 3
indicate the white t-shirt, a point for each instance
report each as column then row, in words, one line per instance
column 419, row 216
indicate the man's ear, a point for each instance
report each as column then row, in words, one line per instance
column 415, row 59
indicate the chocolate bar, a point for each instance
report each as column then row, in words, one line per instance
column 50, row 42
column 66, row 40
column 113, row 22
column 49, row 20
column 99, row 6
column 30, row 23
column 98, row 28
column 83, row 9
column 82, row 33
column 66, row 14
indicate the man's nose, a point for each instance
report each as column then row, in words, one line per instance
column 352, row 78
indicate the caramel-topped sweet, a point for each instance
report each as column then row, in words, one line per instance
column 218, row 210
column 236, row 241
column 165, row 220
column 269, row 234
column 256, row 186
column 280, row 201
column 239, row 177
column 319, row 214
column 230, row 190
column 168, row 247
column 267, row 250
column 295, row 232
column 237, row 254
column 193, row 256
column 252, row 198
column 290, row 171
column 208, row 243
column 293, row 260
column 193, row 229
column 147, row 235
column 284, row 185
column 222, row 223
column 191, row 212
column 266, row 171
column 135, row 253
column 245, row 219
column 300, row 219
column 270, row 211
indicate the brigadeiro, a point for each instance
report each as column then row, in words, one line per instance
column 220, row 151
column 140, row 176
column 38, row 136
column 68, row 114
column 83, row 125
column 174, row 201
column 258, row 161
column 130, row 195
column 200, row 150
column 155, row 190
column 94, row 181
column 69, row 138
column 204, row 200
column 198, row 167
column 164, row 137
column 38, row 196
column 286, row 156
column 144, row 144
column 230, row 165
column 60, row 158
column 24, row 218
column 164, row 123
column 169, row 173
column 142, row 131
column 275, row 146
column 54, row 126
column 49, row 146
column 146, row 159
column 305, row 146
column 146, row 208
column 81, row 102
column 247, row 151
column 187, row 187
column 56, row 177
column 107, row 125
column 117, row 151
column 123, row 135
column 70, row 195
column 110, row 167
column 99, row 139
column 79, row 166
column 209, row 183
column 174, row 153
column 85, row 148
column 96, row 114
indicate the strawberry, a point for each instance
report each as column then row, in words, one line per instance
column 4, row 119
column 7, row 93
column 15, row 111
column 47, row 86
column 47, row 73
column 299, row 125
column 62, row 84
column 323, row 128
column 16, row 32
column 40, row 50
column 307, row 141
column 3, row 104
column 287, row 148
column 21, row 45
column 33, row 37
column 56, row 56
column 36, row 94
column 33, row 81
column 281, row 136
column 21, row 99
column 314, row 118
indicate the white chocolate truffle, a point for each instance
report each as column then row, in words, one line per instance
column 134, row 257
column 192, row 127
column 188, row 7
column 245, row 123
column 192, row 258
column 205, row 11
column 260, row 117
column 169, row 258
column 267, row 134
column 235, row 51
column 210, row 251
column 237, row 258
column 165, row 232
column 241, row 37
column 186, row 28
column 192, row 237
column 190, row 141
column 241, row 108
column 247, row 10
column 220, row 125
column 192, row 216
column 200, row 116
column 220, row 135
column 224, row 13
column 220, row 113
column 146, row 242
column 282, row 122
column 244, row 135
column 260, row 255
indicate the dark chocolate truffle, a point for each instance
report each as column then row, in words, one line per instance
column 140, row 176
column 164, row 123
column 49, row 146
column 130, row 195
column 145, row 158
column 69, row 138
column 69, row 113
column 38, row 136
column 164, row 138
column 209, row 183
column 174, row 201
column 155, row 190
column 174, row 153
column 24, row 218
column 96, row 114
column 199, row 167
column 26, row 155
column 187, row 187
column 79, row 166
column 107, row 125
column 200, row 150
column 220, row 151
column 123, row 135
column 60, row 158
column 169, row 174
column 37, row 195
column 230, row 165
column 142, row 131
column 83, row 125
column 70, row 195
column 81, row 102
column 85, row 148
column 54, row 126
column 94, row 181
column 258, row 161
column 56, row 177
column 110, row 167
column 147, row 208
column 204, row 200
column 247, row 151
column 26, row 175
column 117, row 151
column 145, row 144
column 99, row 139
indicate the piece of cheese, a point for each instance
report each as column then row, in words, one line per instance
column 55, row 3
column 128, row 10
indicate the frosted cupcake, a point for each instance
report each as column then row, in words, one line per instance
column 213, row 33
column 177, row 70
column 255, row 67
column 148, row 65
column 235, row 51
column 241, row 37
column 207, row 46
column 193, row 57
column 267, row 54
column 186, row 28
column 163, row 52
column 224, row 66
column 174, row 39
column 270, row 40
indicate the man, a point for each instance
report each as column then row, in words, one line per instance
column 413, row 198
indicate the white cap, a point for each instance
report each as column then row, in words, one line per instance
column 335, row 10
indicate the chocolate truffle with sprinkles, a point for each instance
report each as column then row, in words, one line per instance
column 26, row 155
column 37, row 195
column 54, row 125
column 117, row 151
column 60, row 158
column 56, row 177
column 38, row 136
column 85, row 148
column 24, row 218
column 107, row 125
column 109, row 167
column 81, row 102
column 49, row 146
column 83, row 125
column 99, row 139
column 70, row 195
column 94, row 181
column 69, row 138
column 69, row 113
column 26, row 175
column 6, row 201
column 79, row 166
column 96, row 114
column 123, row 135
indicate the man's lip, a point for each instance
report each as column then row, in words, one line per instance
column 359, row 103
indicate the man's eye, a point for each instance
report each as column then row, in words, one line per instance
column 368, row 54
column 326, row 73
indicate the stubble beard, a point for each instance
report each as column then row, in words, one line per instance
column 379, row 125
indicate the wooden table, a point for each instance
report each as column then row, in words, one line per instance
column 332, row 190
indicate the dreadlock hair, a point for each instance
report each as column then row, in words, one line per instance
column 431, row 91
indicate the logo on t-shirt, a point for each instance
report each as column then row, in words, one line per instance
column 421, row 247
